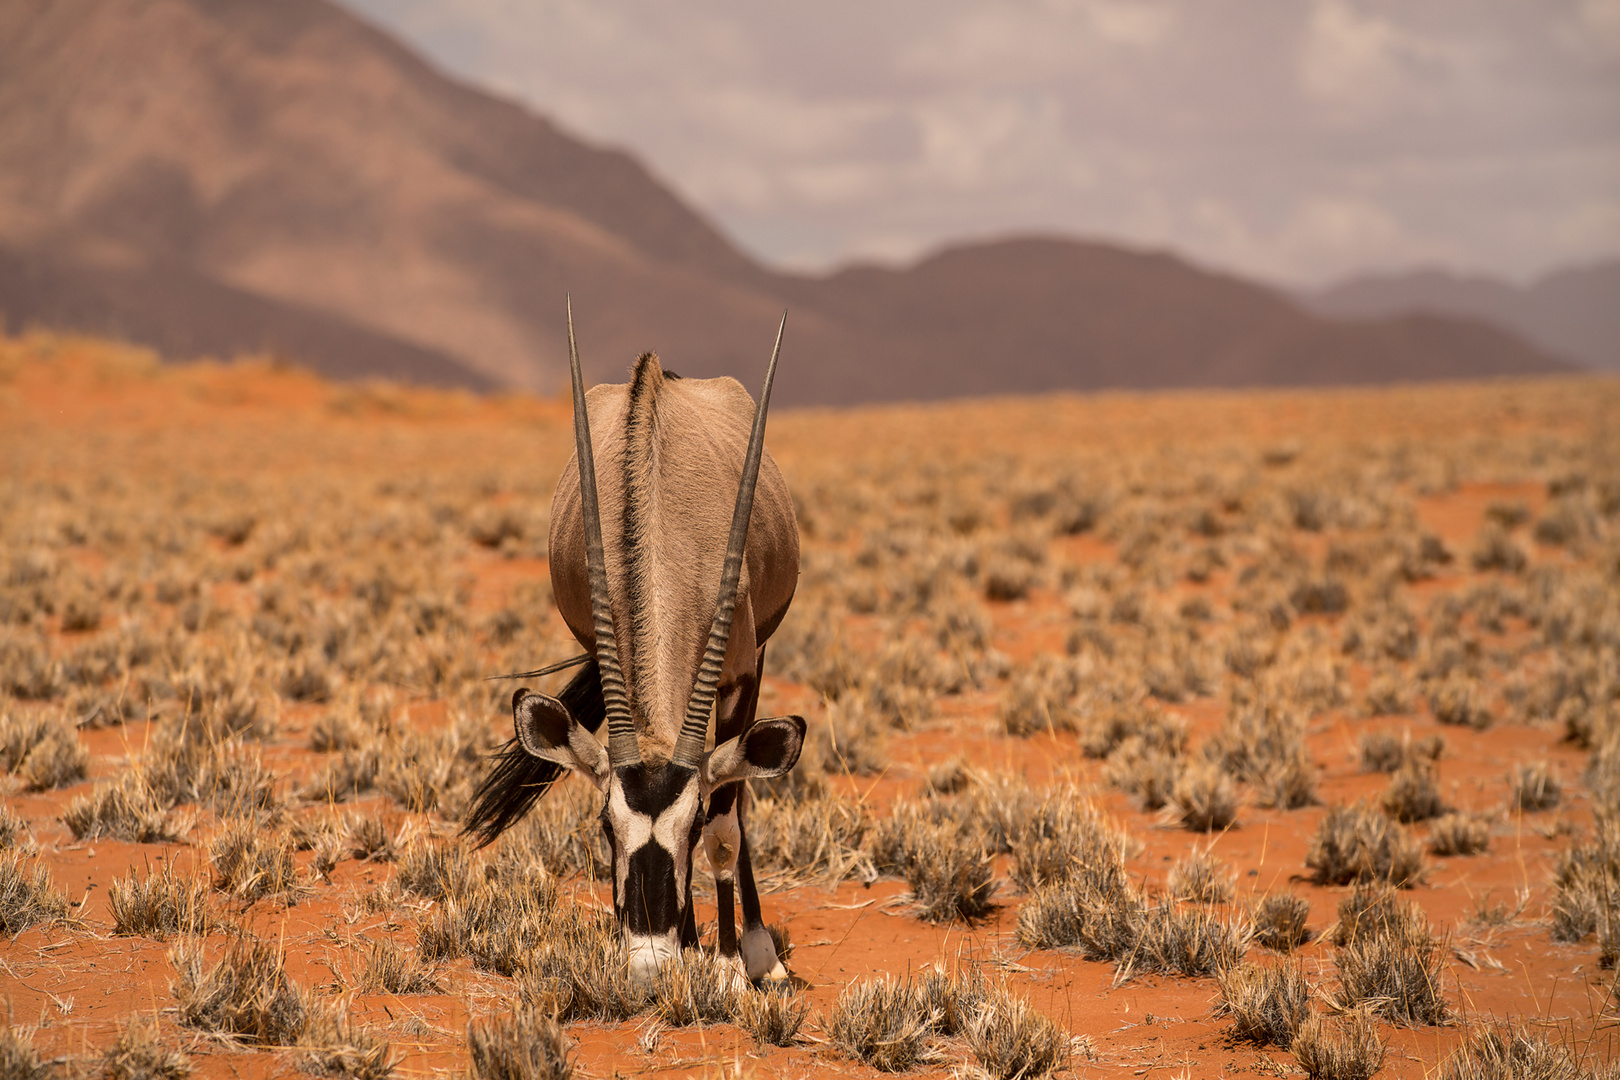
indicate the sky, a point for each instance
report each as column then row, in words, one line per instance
column 1295, row 141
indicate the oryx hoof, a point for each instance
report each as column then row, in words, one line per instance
column 759, row 957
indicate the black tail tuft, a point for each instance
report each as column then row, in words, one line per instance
column 518, row 780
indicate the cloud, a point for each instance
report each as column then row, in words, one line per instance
column 1288, row 140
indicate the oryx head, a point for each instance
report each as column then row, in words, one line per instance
column 653, row 814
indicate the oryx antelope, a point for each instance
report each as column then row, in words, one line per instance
column 674, row 555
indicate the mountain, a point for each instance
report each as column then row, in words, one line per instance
column 1573, row 313
column 216, row 176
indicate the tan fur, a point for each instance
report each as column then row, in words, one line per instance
column 677, row 460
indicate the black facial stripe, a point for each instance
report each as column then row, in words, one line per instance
column 650, row 906
column 648, row 791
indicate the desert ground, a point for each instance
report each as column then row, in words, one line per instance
column 1166, row 735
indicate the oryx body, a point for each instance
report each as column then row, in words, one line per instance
column 674, row 555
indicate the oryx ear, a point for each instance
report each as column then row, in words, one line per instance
column 769, row 748
column 546, row 730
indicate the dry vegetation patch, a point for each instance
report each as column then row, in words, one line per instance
column 1037, row 642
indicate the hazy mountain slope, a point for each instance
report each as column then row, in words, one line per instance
column 1039, row 314
column 290, row 151
column 181, row 313
column 226, row 175
column 1574, row 313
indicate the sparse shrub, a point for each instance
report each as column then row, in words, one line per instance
column 1509, row 1051
column 126, row 809
column 27, row 896
column 772, row 1016
column 1393, row 967
column 699, row 987
column 18, row 1058
column 1186, row 941
column 1346, row 1049
column 524, row 1044
column 950, row 873
column 252, row 861
column 435, row 870
column 1585, row 883
column 952, row 999
column 139, row 1054
column 1145, row 771
column 1054, row 839
column 882, row 1022
column 817, row 837
column 1200, row 877
column 160, row 905
column 1413, row 795
column 1011, row 1041
column 1366, row 909
column 247, row 993
column 1205, row 798
column 1389, row 693
column 12, row 829
column 1381, row 752
column 1279, row 921
column 369, row 838
column 1459, row 834
column 1494, row 549
column 1039, row 700
column 1356, row 843
column 947, row 778
column 1535, row 787
column 1457, row 700
column 394, row 971
column 333, row 1046
column 1268, row 1004
column 1264, row 746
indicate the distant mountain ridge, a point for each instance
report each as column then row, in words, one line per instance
column 1573, row 312
column 215, row 176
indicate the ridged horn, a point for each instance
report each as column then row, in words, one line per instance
column 695, row 728
column 622, row 746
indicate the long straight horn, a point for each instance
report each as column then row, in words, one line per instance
column 695, row 728
column 622, row 748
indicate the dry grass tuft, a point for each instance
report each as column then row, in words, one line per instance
column 1412, row 794
column 18, row 1058
column 1202, row 878
column 12, row 829
column 950, row 873
column 1279, row 922
column 1011, row 1041
column 884, row 1023
column 1535, row 787
column 42, row 749
column 699, row 987
column 772, row 1016
column 1356, row 843
column 252, row 861
column 1347, row 1049
column 139, row 1054
column 246, row 994
column 1205, row 799
column 524, row 1044
column 1459, row 834
column 1268, row 1004
column 160, row 905
column 1585, row 885
column 393, row 970
column 27, row 897
column 1392, row 965
column 1509, row 1051
column 333, row 1046
column 127, row 809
